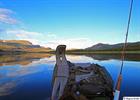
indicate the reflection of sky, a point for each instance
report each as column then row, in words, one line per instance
column 34, row 79
column 15, row 76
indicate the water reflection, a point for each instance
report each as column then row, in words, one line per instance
column 22, row 59
column 29, row 75
column 7, row 87
column 14, row 69
column 26, row 59
column 128, row 57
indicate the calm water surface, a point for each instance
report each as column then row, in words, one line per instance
column 23, row 77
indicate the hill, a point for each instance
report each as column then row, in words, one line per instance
column 100, row 46
column 20, row 46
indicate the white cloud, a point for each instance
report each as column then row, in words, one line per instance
column 6, row 16
column 78, row 43
column 49, row 39
column 25, row 35
column 22, row 33
column 34, row 37
column 6, row 11
column 51, row 35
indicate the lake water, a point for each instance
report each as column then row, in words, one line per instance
column 28, row 76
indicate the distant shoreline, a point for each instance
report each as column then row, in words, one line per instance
column 74, row 52
column 102, row 52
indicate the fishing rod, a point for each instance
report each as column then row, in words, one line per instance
column 119, row 80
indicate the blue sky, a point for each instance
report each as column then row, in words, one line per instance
column 76, row 23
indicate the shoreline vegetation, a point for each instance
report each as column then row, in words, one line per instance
column 70, row 52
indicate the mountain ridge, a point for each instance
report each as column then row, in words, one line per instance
column 21, row 46
column 118, row 46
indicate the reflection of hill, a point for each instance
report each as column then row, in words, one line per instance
column 22, row 59
column 132, row 57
